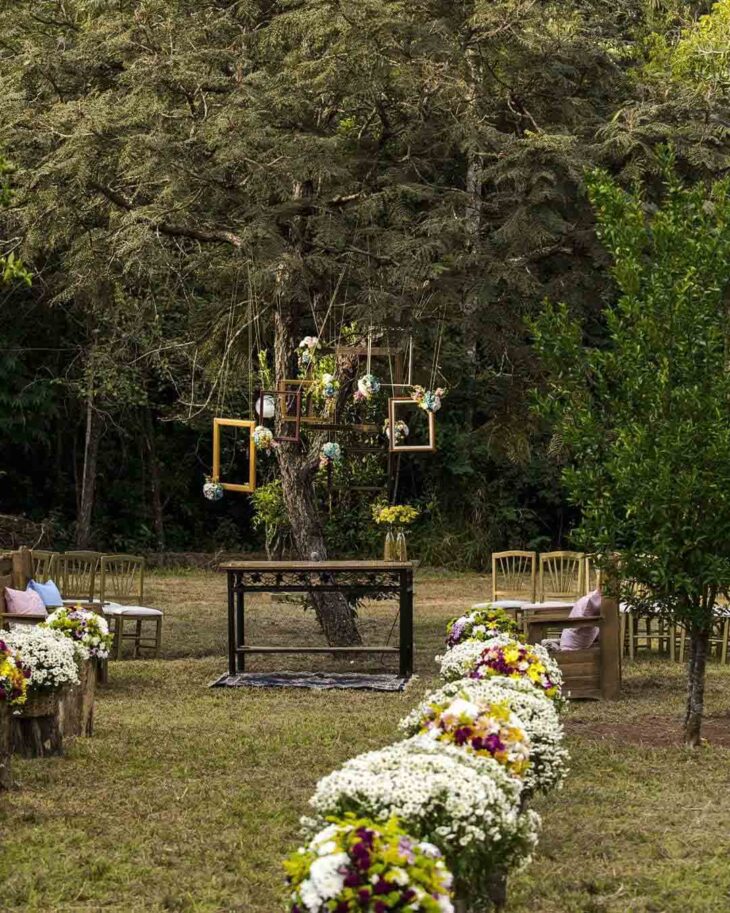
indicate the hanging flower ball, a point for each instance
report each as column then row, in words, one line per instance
column 428, row 400
column 306, row 350
column 367, row 386
column 263, row 438
column 330, row 454
column 212, row 489
column 330, row 386
column 401, row 431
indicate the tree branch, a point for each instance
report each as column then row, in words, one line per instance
column 206, row 235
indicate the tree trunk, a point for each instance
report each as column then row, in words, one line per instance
column 298, row 469
column 695, row 687
column 37, row 732
column 77, row 703
column 88, row 478
column 158, row 518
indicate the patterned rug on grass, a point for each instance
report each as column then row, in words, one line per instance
column 319, row 680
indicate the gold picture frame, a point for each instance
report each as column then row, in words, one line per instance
column 219, row 423
column 410, row 448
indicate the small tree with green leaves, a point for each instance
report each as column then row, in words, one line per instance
column 643, row 419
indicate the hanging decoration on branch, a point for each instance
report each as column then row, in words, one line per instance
column 307, row 351
column 401, row 431
column 265, row 406
column 326, row 386
column 263, row 438
column 212, row 489
column 428, row 400
column 330, row 454
column 367, row 386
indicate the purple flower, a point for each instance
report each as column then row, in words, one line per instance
column 382, row 887
column 364, row 895
column 352, row 880
column 380, row 907
column 462, row 734
column 405, row 848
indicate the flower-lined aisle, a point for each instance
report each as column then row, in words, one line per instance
column 440, row 818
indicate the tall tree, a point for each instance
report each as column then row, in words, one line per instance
column 384, row 161
column 645, row 419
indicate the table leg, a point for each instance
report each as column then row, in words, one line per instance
column 231, row 627
column 406, row 623
column 240, row 639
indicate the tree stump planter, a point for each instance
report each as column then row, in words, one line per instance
column 77, row 703
column 36, row 726
column 5, row 746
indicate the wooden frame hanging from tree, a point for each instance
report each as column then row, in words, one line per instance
column 219, row 423
column 285, row 398
column 400, row 401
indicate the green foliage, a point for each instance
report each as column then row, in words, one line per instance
column 269, row 509
column 188, row 169
column 644, row 419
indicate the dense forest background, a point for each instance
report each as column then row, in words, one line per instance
column 181, row 170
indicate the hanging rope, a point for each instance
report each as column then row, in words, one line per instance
column 436, row 354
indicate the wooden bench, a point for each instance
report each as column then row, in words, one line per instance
column 16, row 570
column 592, row 674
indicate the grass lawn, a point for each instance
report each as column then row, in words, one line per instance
column 186, row 798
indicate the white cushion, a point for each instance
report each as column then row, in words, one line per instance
column 502, row 604
column 82, row 600
column 131, row 611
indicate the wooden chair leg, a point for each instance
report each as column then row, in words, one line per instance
column 622, row 633
column 725, row 636
column 118, row 637
column 137, row 638
column 682, row 642
column 672, row 644
column 633, row 634
column 158, row 637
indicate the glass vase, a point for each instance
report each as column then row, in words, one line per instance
column 401, row 550
column 389, row 550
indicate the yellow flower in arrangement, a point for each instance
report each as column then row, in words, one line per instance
column 517, row 660
column 14, row 675
column 489, row 729
column 394, row 514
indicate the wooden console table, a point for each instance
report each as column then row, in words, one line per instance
column 358, row 578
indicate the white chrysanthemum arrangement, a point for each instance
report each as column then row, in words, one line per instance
column 468, row 806
column 479, row 747
column 49, row 655
column 88, row 631
column 536, row 715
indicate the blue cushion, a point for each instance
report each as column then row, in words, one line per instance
column 48, row 592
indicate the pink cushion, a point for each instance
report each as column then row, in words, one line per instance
column 23, row 602
column 583, row 637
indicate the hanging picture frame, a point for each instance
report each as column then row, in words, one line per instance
column 301, row 385
column 400, row 408
column 218, row 424
column 290, row 412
